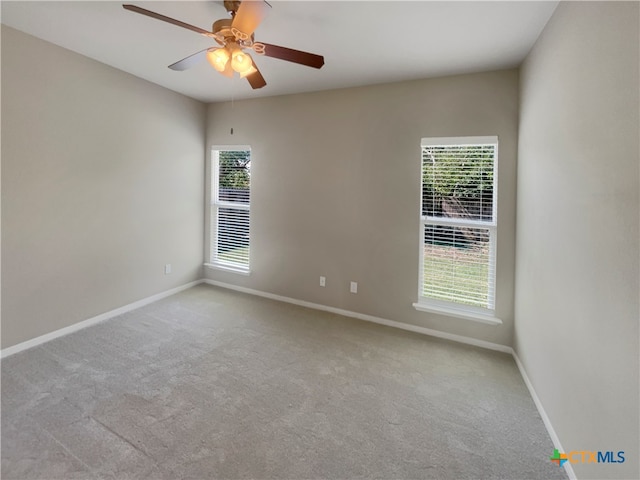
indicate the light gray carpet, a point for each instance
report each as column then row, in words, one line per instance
column 210, row 383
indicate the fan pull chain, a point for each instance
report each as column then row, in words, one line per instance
column 233, row 95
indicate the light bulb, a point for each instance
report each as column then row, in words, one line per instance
column 241, row 62
column 218, row 58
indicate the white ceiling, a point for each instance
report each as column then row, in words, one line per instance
column 363, row 42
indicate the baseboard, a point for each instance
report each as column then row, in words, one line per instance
column 545, row 418
column 92, row 321
column 365, row 317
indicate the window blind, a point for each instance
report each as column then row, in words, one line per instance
column 458, row 221
column 230, row 210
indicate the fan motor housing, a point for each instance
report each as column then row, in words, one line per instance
column 222, row 30
column 220, row 25
column 223, row 33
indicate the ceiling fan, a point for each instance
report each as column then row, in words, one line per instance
column 234, row 35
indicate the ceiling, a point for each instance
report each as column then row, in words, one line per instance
column 363, row 42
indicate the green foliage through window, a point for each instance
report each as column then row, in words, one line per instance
column 235, row 169
column 458, row 179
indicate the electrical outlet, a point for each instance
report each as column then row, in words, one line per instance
column 323, row 281
column 354, row 287
column 167, row 269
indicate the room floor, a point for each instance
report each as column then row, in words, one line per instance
column 211, row 383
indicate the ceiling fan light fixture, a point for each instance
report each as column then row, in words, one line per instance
column 218, row 58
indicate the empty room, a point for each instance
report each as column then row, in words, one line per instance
column 320, row 240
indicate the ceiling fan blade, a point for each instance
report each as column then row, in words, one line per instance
column 164, row 18
column 189, row 61
column 295, row 56
column 249, row 15
column 256, row 80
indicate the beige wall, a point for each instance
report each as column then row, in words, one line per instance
column 577, row 253
column 336, row 189
column 102, row 184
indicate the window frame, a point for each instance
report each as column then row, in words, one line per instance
column 450, row 308
column 214, row 205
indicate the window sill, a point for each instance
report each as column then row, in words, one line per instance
column 459, row 313
column 228, row 268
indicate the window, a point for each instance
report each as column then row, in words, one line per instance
column 230, row 202
column 458, row 226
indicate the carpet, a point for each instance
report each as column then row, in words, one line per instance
column 211, row 383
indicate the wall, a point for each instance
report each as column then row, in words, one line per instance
column 102, row 184
column 336, row 190
column 578, row 240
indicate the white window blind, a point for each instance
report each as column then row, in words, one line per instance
column 459, row 223
column 230, row 207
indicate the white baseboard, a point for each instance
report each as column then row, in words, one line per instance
column 365, row 317
column 545, row 418
column 92, row 321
